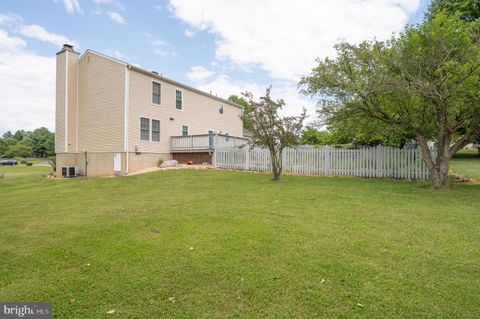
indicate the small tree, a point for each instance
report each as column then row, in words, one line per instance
column 272, row 131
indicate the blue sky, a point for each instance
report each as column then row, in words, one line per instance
column 222, row 46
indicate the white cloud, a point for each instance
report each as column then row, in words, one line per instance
column 157, row 7
column 10, row 19
column 116, row 4
column 199, row 73
column 10, row 44
column 27, row 86
column 224, row 86
column 117, row 17
column 189, row 33
column 39, row 32
column 119, row 55
column 285, row 37
column 71, row 6
column 160, row 47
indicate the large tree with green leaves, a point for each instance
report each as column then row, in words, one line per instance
column 424, row 81
column 42, row 142
column 247, row 109
column 468, row 10
column 39, row 143
column 357, row 130
column 271, row 130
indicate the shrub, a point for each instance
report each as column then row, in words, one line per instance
column 29, row 163
column 52, row 160
column 23, row 161
column 160, row 162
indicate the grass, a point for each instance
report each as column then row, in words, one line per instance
column 216, row 244
column 466, row 163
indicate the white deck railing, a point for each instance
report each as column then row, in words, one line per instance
column 204, row 142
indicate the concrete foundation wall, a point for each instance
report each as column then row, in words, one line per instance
column 102, row 163
column 195, row 157
column 145, row 160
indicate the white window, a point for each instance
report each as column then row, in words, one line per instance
column 184, row 130
column 155, row 130
column 156, row 93
column 149, row 129
column 144, row 129
column 220, row 109
column 178, row 100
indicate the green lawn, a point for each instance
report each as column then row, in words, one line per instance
column 466, row 163
column 217, row 244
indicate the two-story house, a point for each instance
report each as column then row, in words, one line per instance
column 114, row 118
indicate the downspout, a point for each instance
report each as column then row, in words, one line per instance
column 126, row 117
column 76, row 117
column 66, row 101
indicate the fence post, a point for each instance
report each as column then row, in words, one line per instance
column 247, row 157
column 379, row 161
column 327, row 159
column 214, row 155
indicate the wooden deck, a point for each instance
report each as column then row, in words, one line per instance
column 204, row 142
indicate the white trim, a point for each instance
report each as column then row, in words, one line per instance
column 100, row 55
column 127, row 97
column 76, row 117
column 149, row 129
column 159, row 130
column 66, row 101
column 188, row 129
column 140, row 129
column 155, row 104
column 175, row 100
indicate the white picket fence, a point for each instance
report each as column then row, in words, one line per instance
column 373, row 162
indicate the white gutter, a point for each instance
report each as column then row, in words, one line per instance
column 66, row 101
column 126, row 118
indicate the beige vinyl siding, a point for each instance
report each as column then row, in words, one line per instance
column 60, row 105
column 101, row 104
column 199, row 111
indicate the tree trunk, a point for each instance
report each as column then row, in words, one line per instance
column 276, row 174
column 438, row 167
column 439, row 172
column 276, row 165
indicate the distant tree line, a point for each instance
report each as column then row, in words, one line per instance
column 36, row 143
